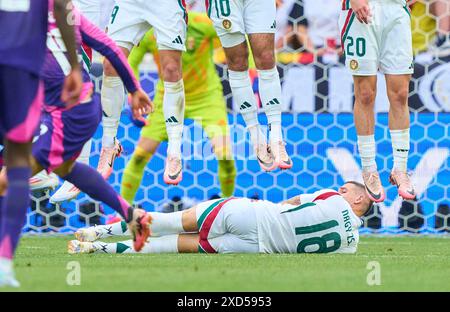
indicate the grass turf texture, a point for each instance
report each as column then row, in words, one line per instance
column 407, row 264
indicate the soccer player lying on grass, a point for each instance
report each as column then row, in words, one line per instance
column 64, row 130
column 323, row 222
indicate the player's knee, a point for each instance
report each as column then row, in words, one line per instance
column 366, row 97
column 172, row 72
column 108, row 69
column 238, row 61
column 399, row 97
column 64, row 169
column 265, row 60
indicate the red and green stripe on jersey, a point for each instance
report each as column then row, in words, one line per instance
column 345, row 29
column 345, row 4
column 86, row 54
column 322, row 196
column 205, row 222
column 182, row 4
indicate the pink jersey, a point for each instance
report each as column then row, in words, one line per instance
column 57, row 66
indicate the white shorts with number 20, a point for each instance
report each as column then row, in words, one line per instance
column 385, row 44
column 233, row 19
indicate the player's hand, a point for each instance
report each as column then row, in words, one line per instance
column 141, row 105
column 73, row 84
column 362, row 10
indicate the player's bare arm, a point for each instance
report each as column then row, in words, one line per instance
column 73, row 83
column 292, row 201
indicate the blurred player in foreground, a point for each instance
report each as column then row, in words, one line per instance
column 323, row 222
column 66, row 128
column 204, row 103
column 234, row 20
column 23, row 28
column 376, row 35
column 98, row 12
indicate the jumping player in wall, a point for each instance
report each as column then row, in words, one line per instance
column 376, row 36
column 234, row 20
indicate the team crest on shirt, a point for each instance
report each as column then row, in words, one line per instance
column 354, row 64
column 226, row 24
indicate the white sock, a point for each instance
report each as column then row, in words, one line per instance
column 112, row 248
column 115, row 229
column 163, row 244
column 400, row 148
column 113, row 97
column 85, row 153
column 270, row 92
column 367, row 151
column 166, row 223
column 241, row 88
column 173, row 107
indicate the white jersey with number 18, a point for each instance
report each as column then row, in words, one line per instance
column 323, row 223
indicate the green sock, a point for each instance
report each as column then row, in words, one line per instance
column 133, row 173
column 227, row 175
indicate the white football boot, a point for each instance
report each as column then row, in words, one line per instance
column 43, row 181
column 66, row 192
column 7, row 278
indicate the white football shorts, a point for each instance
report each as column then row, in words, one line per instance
column 383, row 45
column 131, row 19
column 233, row 19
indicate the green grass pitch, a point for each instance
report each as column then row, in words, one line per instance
column 406, row 264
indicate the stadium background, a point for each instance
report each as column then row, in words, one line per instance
column 318, row 127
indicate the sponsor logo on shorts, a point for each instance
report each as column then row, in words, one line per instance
column 354, row 65
column 274, row 25
column 226, row 24
column 177, row 40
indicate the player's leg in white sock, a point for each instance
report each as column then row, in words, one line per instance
column 367, row 152
column 365, row 92
column 173, row 107
column 94, row 233
column 113, row 97
column 399, row 124
column 163, row 244
column 263, row 49
column 400, row 148
column 270, row 92
column 166, row 223
column 241, row 88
